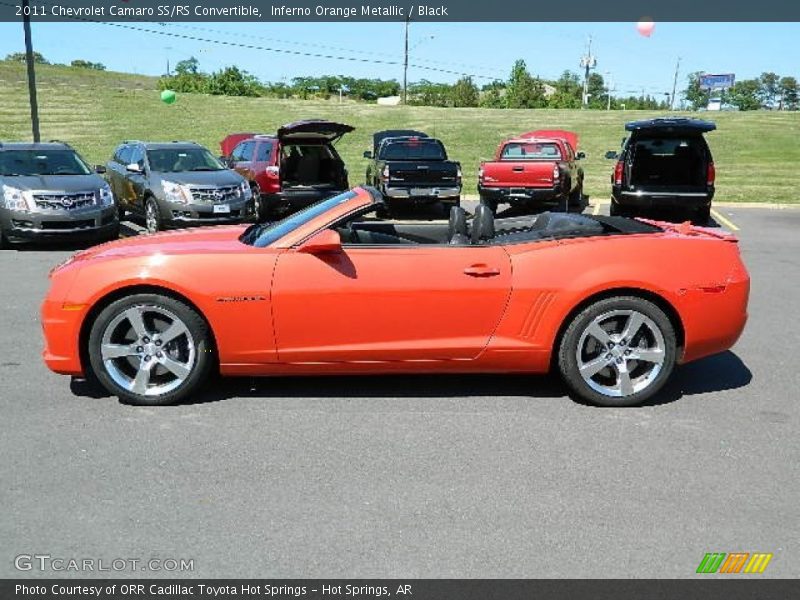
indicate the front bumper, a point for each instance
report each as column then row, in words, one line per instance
column 520, row 195
column 422, row 193
column 182, row 215
column 87, row 224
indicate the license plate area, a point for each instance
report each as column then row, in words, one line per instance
column 222, row 209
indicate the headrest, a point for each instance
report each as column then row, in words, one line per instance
column 457, row 223
column 482, row 224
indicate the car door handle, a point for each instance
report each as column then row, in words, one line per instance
column 518, row 169
column 481, row 271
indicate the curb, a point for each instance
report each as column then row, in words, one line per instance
column 769, row 205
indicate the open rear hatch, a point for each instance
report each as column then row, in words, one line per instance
column 313, row 129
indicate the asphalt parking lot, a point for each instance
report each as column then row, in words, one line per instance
column 479, row 476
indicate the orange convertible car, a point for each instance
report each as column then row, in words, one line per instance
column 612, row 303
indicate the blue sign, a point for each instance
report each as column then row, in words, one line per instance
column 716, row 82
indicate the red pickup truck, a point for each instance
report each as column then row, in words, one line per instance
column 535, row 167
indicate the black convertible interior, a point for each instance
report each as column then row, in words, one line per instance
column 482, row 229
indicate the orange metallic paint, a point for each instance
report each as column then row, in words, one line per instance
column 424, row 308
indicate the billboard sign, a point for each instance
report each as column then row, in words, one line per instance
column 716, row 82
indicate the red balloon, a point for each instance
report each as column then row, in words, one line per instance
column 645, row 27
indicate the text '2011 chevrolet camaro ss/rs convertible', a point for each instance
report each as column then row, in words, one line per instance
column 339, row 288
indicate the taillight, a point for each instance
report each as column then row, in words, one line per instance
column 556, row 172
column 480, row 174
column 458, row 174
column 618, row 169
column 711, row 174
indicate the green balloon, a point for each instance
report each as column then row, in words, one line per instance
column 168, row 96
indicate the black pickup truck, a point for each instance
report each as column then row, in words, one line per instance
column 410, row 168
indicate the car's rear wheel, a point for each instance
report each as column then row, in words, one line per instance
column 576, row 197
column 703, row 215
column 150, row 349
column 618, row 351
column 616, row 210
column 153, row 221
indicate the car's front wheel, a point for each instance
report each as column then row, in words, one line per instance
column 152, row 215
column 150, row 349
column 489, row 203
column 618, row 351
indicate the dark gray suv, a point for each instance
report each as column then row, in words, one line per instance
column 48, row 192
column 175, row 184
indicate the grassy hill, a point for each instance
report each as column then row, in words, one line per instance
column 756, row 153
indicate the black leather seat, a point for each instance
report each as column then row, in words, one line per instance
column 482, row 225
column 457, row 226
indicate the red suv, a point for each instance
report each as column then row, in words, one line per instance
column 292, row 169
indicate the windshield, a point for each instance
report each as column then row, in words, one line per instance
column 413, row 149
column 179, row 160
column 261, row 235
column 530, row 151
column 41, row 162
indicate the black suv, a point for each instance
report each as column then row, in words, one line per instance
column 664, row 164
column 47, row 192
column 175, row 184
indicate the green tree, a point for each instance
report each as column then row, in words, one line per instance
column 189, row 66
column 745, row 95
column 464, row 93
column 769, row 89
column 568, row 91
column 85, row 64
column 790, row 93
column 523, row 91
column 695, row 96
column 596, row 88
column 21, row 57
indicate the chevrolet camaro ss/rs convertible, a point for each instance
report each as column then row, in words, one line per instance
column 339, row 288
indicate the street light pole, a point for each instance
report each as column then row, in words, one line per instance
column 26, row 24
column 405, row 64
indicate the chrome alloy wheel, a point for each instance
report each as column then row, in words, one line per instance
column 151, row 217
column 620, row 353
column 148, row 350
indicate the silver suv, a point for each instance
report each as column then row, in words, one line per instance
column 176, row 184
column 48, row 192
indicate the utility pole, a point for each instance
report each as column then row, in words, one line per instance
column 26, row 25
column 588, row 62
column 609, row 87
column 675, row 84
column 405, row 63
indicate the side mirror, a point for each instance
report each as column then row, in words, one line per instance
column 580, row 155
column 226, row 160
column 367, row 154
column 326, row 241
column 99, row 169
column 611, row 155
column 134, row 168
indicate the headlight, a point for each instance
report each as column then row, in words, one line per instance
column 16, row 199
column 175, row 192
column 106, row 198
column 246, row 192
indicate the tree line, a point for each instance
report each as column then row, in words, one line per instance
column 520, row 90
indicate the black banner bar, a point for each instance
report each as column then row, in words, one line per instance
column 276, row 11
column 733, row 588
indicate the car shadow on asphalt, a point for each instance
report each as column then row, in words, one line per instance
column 718, row 373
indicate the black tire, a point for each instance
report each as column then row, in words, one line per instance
column 3, row 240
column 576, row 197
column 121, row 213
column 113, row 234
column 157, row 223
column 703, row 215
column 258, row 202
column 615, row 210
column 648, row 374
column 489, row 203
column 198, row 338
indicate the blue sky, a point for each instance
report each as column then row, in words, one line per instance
column 488, row 50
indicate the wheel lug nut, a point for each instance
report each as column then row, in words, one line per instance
column 159, row 354
column 619, row 361
column 139, row 349
column 158, row 342
column 147, row 357
column 146, row 340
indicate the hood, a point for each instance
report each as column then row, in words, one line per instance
column 55, row 183
column 560, row 134
column 200, row 240
column 203, row 178
column 314, row 128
